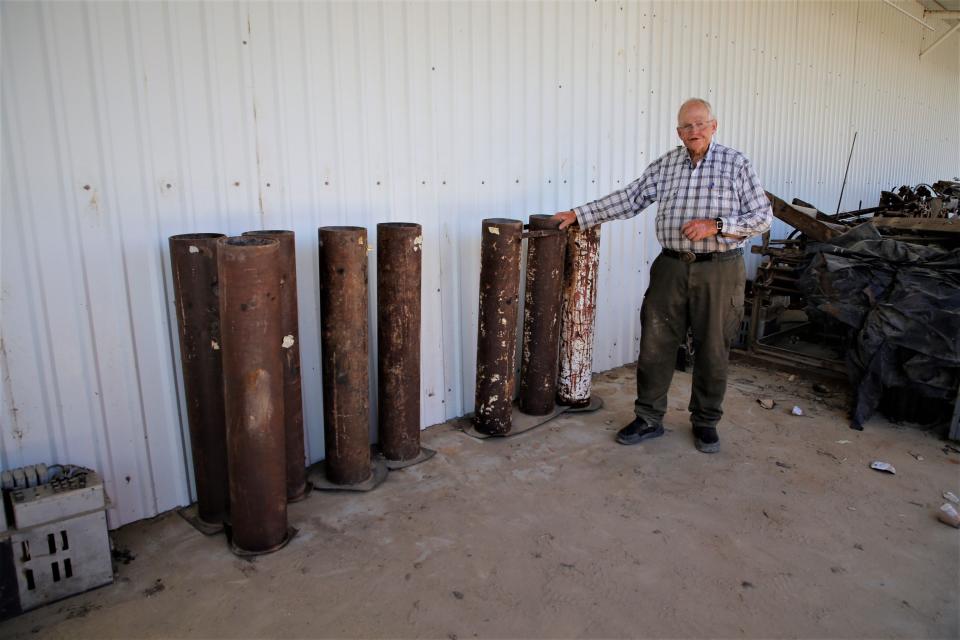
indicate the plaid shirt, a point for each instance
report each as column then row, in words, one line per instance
column 724, row 185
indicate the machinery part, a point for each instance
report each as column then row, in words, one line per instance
column 497, row 330
column 345, row 353
column 290, row 353
column 32, row 475
column 399, row 266
column 193, row 263
column 253, row 391
column 541, row 319
column 577, row 316
column 807, row 224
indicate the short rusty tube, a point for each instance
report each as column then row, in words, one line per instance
column 497, row 324
column 290, row 354
column 343, row 341
column 546, row 246
column 399, row 267
column 577, row 316
column 193, row 263
column 250, row 271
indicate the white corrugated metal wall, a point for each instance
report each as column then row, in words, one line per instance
column 124, row 123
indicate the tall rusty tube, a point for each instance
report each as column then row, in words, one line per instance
column 290, row 352
column 546, row 245
column 497, row 331
column 399, row 265
column 343, row 342
column 193, row 262
column 577, row 316
column 250, row 271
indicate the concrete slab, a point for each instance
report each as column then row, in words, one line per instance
column 560, row 532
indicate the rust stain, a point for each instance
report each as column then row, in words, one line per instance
column 256, row 136
column 497, row 325
column 8, row 390
column 398, row 337
column 577, row 317
column 544, row 286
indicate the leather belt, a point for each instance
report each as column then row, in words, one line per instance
column 690, row 256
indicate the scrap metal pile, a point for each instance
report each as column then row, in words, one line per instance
column 873, row 294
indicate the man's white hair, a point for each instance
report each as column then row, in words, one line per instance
column 695, row 101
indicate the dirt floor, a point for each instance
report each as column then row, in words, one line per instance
column 560, row 532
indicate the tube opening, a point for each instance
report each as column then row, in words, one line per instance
column 269, row 232
column 197, row 236
column 249, row 241
column 398, row 225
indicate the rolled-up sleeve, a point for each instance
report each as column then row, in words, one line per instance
column 622, row 204
column 755, row 214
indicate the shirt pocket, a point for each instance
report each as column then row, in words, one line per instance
column 724, row 200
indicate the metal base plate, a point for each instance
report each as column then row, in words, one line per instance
column 424, row 455
column 520, row 423
column 206, row 528
column 378, row 473
column 596, row 403
column 308, row 487
column 291, row 532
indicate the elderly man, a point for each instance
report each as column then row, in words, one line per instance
column 709, row 202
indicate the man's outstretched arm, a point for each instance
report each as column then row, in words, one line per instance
column 619, row 205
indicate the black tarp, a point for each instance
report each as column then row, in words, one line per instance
column 901, row 302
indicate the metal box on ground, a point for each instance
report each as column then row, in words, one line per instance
column 56, row 543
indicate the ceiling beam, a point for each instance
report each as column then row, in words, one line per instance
column 909, row 15
column 940, row 40
column 943, row 15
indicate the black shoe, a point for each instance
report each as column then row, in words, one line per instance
column 706, row 439
column 638, row 431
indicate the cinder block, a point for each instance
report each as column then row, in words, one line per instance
column 57, row 543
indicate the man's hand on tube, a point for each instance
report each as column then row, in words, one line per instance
column 566, row 218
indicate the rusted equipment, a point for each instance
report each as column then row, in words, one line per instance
column 290, row 353
column 253, row 391
column 497, row 331
column 399, row 266
column 546, row 246
column 343, row 342
column 577, row 315
column 193, row 262
column 806, row 222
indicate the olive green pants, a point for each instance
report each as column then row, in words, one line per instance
column 707, row 297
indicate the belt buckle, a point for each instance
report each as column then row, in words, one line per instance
column 688, row 256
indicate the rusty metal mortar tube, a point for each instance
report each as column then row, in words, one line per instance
column 497, row 326
column 343, row 341
column 399, row 267
column 546, row 245
column 577, row 316
column 253, row 391
column 193, row 263
column 290, row 353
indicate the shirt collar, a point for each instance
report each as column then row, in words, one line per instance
column 707, row 156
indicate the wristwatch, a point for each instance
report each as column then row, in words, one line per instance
column 719, row 222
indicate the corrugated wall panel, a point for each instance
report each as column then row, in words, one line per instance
column 124, row 123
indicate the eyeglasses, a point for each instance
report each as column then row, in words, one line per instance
column 696, row 126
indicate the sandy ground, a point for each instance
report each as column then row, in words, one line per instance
column 560, row 532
